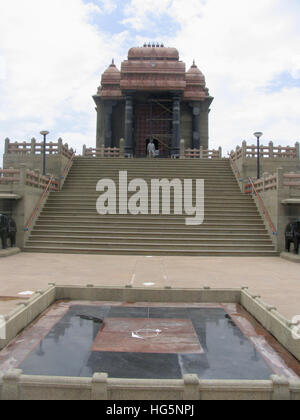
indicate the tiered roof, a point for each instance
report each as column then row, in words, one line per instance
column 153, row 68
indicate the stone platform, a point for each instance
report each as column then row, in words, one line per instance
column 9, row 252
column 276, row 280
column 290, row 257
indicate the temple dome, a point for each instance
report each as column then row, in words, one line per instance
column 195, row 76
column 110, row 83
column 158, row 52
column 111, row 75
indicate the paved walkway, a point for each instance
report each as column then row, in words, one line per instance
column 276, row 280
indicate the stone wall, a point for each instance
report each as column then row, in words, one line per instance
column 274, row 200
column 17, row 386
column 55, row 164
column 21, row 210
column 275, row 163
column 27, row 187
column 6, row 206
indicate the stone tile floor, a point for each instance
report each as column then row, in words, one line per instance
column 275, row 279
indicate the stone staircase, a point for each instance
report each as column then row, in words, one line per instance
column 69, row 222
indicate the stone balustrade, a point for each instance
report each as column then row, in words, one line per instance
column 203, row 153
column 101, row 152
column 7, row 176
column 272, row 182
column 292, row 180
column 266, row 152
column 27, row 177
column 35, row 148
column 115, row 152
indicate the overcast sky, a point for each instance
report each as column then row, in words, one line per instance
column 52, row 54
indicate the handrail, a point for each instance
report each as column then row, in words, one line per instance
column 236, row 169
column 265, row 211
column 26, row 228
column 68, row 165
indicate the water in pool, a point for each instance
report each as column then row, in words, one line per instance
column 148, row 341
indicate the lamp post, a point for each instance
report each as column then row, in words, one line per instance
column 44, row 133
column 258, row 136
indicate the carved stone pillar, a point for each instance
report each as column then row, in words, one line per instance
column 196, row 125
column 176, row 127
column 204, row 122
column 128, row 126
column 108, row 107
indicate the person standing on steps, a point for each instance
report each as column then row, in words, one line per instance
column 151, row 149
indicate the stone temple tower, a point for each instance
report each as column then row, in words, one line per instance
column 153, row 97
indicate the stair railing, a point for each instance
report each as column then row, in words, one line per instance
column 250, row 188
column 48, row 187
column 67, row 167
column 235, row 168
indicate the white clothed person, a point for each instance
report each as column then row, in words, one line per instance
column 151, row 150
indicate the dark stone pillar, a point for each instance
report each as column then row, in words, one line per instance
column 204, row 122
column 108, row 107
column 176, row 127
column 128, row 150
column 196, row 126
column 100, row 141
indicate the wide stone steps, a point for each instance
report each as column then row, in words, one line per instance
column 145, row 161
column 153, row 220
column 141, row 225
column 69, row 222
column 187, row 240
column 92, row 208
column 92, row 185
column 118, row 250
column 42, row 233
column 152, row 173
column 67, row 208
column 209, row 229
column 90, row 198
column 151, row 245
column 93, row 182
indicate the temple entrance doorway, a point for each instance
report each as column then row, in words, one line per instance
column 153, row 120
column 156, row 143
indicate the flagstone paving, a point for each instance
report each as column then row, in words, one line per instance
column 275, row 279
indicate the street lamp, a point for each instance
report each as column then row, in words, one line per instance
column 258, row 136
column 44, row 133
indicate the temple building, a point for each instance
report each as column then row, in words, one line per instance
column 153, row 97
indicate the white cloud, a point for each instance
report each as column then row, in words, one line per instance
column 79, row 139
column 249, row 48
column 51, row 60
column 107, row 6
column 137, row 12
column 240, row 45
column 52, row 55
